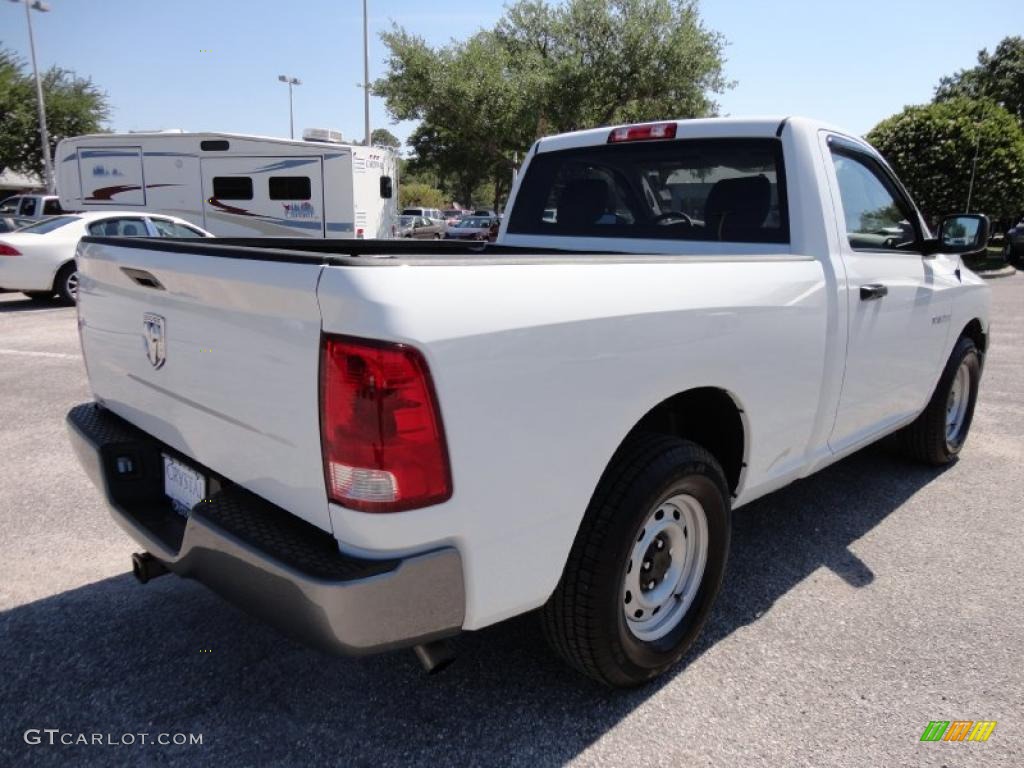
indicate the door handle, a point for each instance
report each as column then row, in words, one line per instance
column 873, row 291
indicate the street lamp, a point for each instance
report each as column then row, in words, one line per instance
column 291, row 115
column 366, row 76
column 44, row 135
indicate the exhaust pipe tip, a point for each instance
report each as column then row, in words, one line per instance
column 146, row 567
column 435, row 656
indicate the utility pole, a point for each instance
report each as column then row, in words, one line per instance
column 366, row 76
column 44, row 135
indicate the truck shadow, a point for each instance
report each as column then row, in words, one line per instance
column 112, row 657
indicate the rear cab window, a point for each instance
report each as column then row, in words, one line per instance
column 719, row 190
column 52, row 208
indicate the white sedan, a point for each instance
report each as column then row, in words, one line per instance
column 39, row 260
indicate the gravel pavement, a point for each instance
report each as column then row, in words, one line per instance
column 859, row 605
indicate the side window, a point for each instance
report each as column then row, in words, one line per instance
column 118, row 228
column 168, row 228
column 28, row 206
column 10, row 205
column 232, row 187
column 877, row 216
column 52, row 208
column 290, row 188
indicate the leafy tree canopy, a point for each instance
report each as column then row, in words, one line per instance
column 546, row 68
column 73, row 106
column 932, row 149
column 998, row 76
column 422, row 195
column 384, row 138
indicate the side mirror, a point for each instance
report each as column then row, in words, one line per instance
column 386, row 187
column 963, row 233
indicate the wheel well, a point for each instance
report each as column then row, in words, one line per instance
column 975, row 333
column 709, row 417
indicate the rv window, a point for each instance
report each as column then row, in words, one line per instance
column 214, row 145
column 386, row 187
column 290, row 188
column 232, row 187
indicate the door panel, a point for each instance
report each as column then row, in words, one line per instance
column 898, row 301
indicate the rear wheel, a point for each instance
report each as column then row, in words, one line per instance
column 646, row 565
column 938, row 434
column 66, row 283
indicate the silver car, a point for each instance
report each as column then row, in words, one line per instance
column 420, row 228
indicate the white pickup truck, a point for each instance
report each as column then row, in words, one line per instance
column 375, row 445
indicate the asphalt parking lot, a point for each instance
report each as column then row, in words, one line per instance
column 860, row 604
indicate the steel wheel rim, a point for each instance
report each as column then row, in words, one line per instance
column 675, row 566
column 71, row 284
column 956, row 403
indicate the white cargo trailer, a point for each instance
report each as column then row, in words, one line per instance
column 235, row 185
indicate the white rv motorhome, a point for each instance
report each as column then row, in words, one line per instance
column 235, row 185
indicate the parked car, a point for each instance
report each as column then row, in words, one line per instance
column 420, row 228
column 430, row 213
column 432, row 441
column 39, row 260
column 31, row 206
column 453, row 216
column 474, row 228
column 12, row 223
column 1013, row 249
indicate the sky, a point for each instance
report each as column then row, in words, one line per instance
column 213, row 64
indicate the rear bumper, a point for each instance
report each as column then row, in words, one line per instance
column 266, row 561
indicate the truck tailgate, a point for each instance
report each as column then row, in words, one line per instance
column 216, row 357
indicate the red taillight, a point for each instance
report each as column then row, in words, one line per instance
column 647, row 132
column 380, row 427
column 6, row 250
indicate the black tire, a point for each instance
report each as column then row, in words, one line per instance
column 584, row 619
column 62, row 284
column 925, row 439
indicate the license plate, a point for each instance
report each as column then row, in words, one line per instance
column 183, row 485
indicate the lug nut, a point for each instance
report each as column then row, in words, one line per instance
column 650, row 584
column 647, row 565
column 661, row 544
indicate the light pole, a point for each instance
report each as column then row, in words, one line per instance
column 44, row 135
column 366, row 77
column 974, row 166
column 291, row 115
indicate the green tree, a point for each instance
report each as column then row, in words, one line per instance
column 418, row 194
column 998, row 77
column 73, row 106
column 932, row 149
column 543, row 69
column 384, row 138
